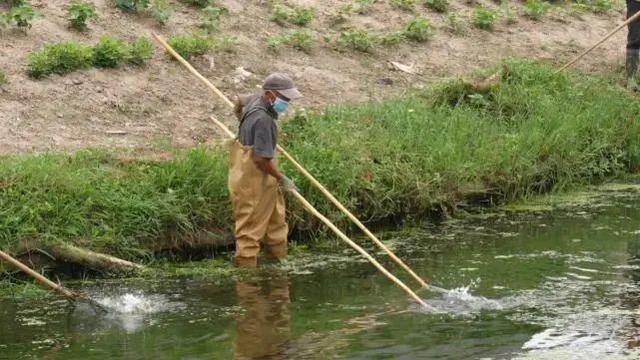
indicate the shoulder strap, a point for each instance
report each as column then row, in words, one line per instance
column 251, row 111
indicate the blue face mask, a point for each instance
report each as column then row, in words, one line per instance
column 279, row 105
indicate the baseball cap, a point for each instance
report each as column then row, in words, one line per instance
column 282, row 84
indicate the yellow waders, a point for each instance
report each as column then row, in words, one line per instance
column 258, row 209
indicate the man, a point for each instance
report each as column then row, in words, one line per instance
column 633, row 46
column 255, row 182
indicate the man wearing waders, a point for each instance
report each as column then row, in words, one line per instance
column 633, row 46
column 255, row 182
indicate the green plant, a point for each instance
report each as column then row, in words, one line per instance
column 455, row 24
column 190, row 45
column 139, row 51
column 391, row 38
column 21, row 16
column 3, row 78
column 59, row 58
column 484, row 18
column 297, row 39
column 160, row 10
column 225, row 43
column 132, row 5
column 109, row 52
column 363, row 6
column 595, row 6
column 79, row 12
column 298, row 15
column 536, row 9
column 201, row 3
column 210, row 18
column 406, row 5
column 418, row 29
column 437, row 5
column 356, row 39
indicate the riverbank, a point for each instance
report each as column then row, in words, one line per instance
column 533, row 132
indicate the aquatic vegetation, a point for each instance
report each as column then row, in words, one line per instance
column 534, row 132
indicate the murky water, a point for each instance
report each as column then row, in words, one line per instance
column 555, row 285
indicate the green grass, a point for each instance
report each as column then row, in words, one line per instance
column 190, row 45
column 484, row 18
column 418, row 29
column 534, row 132
column 437, row 5
column 298, row 39
column 79, row 12
column 536, row 9
column 357, row 39
column 65, row 57
column 3, row 78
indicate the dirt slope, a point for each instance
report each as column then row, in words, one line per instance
column 162, row 104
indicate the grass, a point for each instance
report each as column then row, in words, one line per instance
column 160, row 10
column 437, row 5
column 535, row 132
column 65, row 57
column 356, row 39
column 192, row 45
column 79, row 12
column 484, row 18
column 536, row 9
column 297, row 15
column 298, row 39
column 20, row 15
column 3, row 78
column 406, row 5
column 418, row 29
column 210, row 18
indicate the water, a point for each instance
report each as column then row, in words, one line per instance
column 552, row 285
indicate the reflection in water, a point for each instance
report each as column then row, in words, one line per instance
column 263, row 327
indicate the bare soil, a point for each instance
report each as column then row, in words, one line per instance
column 161, row 104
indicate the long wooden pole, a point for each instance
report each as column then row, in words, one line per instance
column 605, row 38
column 340, row 234
column 299, row 167
column 39, row 278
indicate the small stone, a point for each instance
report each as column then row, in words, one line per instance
column 60, row 115
column 68, row 82
column 99, row 89
column 384, row 81
column 77, row 81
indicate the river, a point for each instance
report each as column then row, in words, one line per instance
column 560, row 284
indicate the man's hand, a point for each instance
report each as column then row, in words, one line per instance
column 287, row 184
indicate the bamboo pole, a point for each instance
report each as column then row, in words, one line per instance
column 340, row 234
column 39, row 278
column 299, row 167
column 605, row 38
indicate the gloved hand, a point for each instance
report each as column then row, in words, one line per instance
column 286, row 184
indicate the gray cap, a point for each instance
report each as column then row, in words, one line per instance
column 282, row 84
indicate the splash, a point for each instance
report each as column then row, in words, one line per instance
column 460, row 301
column 134, row 303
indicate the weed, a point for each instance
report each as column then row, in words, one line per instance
column 298, row 15
column 595, row 6
column 109, row 52
column 21, row 16
column 437, row 5
column 406, row 5
column 160, row 10
column 3, row 78
column 225, row 43
column 157, row 9
column 363, row 7
column 391, row 38
column 210, row 18
column 418, row 29
column 298, row 39
column 79, row 12
column 536, row 9
column 190, row 45
column 59, row 58
column 455, row 24
column 201, row 3
column 356, row 39
column 132, row 5
column 484, row 18
column 139, row 51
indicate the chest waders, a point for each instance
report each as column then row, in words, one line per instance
column 258, row 208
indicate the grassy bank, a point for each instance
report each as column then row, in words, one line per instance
column 534, row 132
